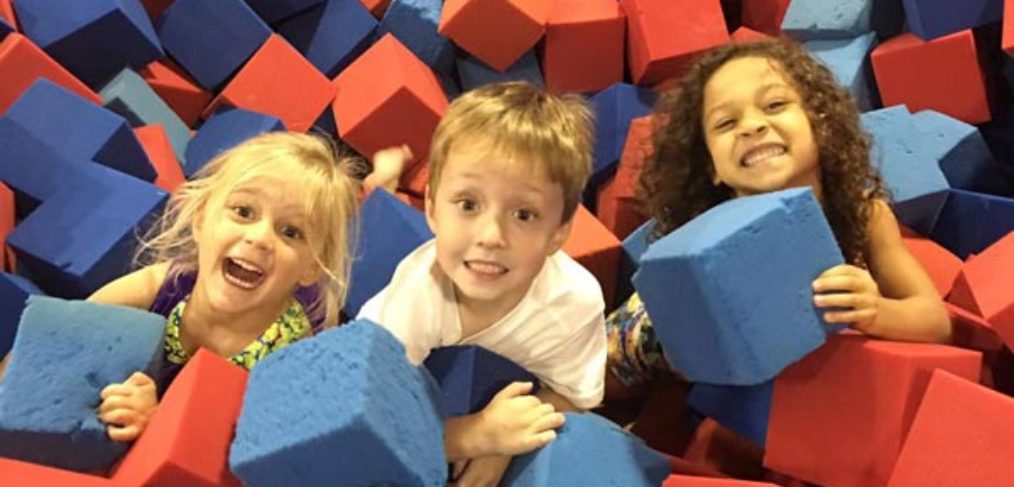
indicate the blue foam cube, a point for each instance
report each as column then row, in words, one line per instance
column 743, row 409
column 224, row 130
column 589, row 450
column 847, row 59
column 961, row 152
column 614, row 108
column 475, row 73
column 132, row 98
column 390, row 230
column 331, row 35
column 31, row 167
column 469, row 376
column 274, row 10
column 929, row 19
column 414, row 23
column 346, row 407
column 14, row 293
column 970, row 222
column 808, row 20
column 64, row 354
column 730, row 291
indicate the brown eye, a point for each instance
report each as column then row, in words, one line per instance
column 243, row 212
column 525, row 215
column 292, row 232
column 467, row 205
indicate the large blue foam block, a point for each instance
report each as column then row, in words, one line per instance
column 615, row 107
column 31, row 167
column 971, row 221
column 224, row 130
column 390, row 231
column 847, row 59
column 633, row 247
column 469, row 376
column 827, row 19
column 129, row 95
column 414, row 23
column 589, row 450
column 93, row 39
column 730, row 292
column 14, row 293
column 330, row 35
column 961, row 152
column 910, row 170
column 274, row 10
column 929, row 19
column 64, row 354
column 475, row 73
column 346, row 407
column 743, row 409
column 188, row 28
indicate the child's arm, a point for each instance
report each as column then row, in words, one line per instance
column 137, row 289
column 387, row 167
column 127, row 407
column 895, row 299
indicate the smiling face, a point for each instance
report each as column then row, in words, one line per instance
column 757, row 130
column 495, row 225
column 253, row 251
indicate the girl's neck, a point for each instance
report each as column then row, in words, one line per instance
column 253, row 321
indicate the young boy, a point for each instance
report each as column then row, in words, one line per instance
column 507, row 167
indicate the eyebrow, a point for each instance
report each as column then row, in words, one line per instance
column 528, row 187
column 293, row 212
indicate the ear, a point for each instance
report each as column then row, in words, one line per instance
column 311, row 275
column 429, row 210
column 560, row 236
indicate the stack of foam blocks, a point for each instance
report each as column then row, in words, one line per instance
column 106, row 106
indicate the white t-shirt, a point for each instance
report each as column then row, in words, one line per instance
column 556, row 332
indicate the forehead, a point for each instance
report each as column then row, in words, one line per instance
column 270, row 190
column 744, row 74
column 480, row 163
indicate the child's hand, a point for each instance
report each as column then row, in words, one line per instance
column 387, row 167
column 516, row 422
column 128, row 406
column 483, row 471
column 853, row 289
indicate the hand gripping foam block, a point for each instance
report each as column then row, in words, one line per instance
column 128, row 95
column 22, row 62
column 13, row 472
column 962, row 153
column 331, row 35
column 402, row 107
column 162, row 156
column 583, row 49
column 908, row 70
column 742, row 409
column 518, row 25
column 665, row 36
column 847, row 59
column 274, row 10
column 64, row 354
column 390, row 230
column 14, row 293
column 593, row 246
column 929, row 19
column 223, row 131
column 179, row 91
column 278, row 81
column 618, row 207
column 414, row 23
column 475, row 73
column 589, row 450
column 839, row 416
column 827, row 19
column 960, row 436
column 93, row 39
column 187, row 440
column 970, row 222
column 469, row 376
column 615, row 108
column 700, row 285
column 918, row 187
column 984, row 287
column 345, row 406
column 188, row 27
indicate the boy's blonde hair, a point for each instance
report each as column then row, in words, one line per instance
column 330, row 202
column 517, row 120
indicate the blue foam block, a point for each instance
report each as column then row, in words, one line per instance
column 188, row 28
column 331, row 35
column 615, row 107
column 808, row 20
column 390, row 230
column 130, row 96
column 274, row 10
column 474, row 73
column 83, row 236
column 32, row 168
column 64, row 354
column 847, row 59
column 344, row 405
column 743, row 409
column 910, row 170
column 970, row 222
column 929, row 19
column 414, row 23
column 589, row 450
column 5, row 29
column 730, row 292
column 224, row 130
column 78, row 129
column 14, row 292
column 961, row 152
column 94, row 39
column 633, row 247
column 469, row 376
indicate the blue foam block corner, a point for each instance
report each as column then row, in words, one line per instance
column 414, row 23
column 130, row 96
column 330, row 35
column 614, row 108
column 64, row 354
column 730, row 291
column 970, row 222
column 809, row 20
column 14, row 293
column 32, row 168
column 962, row 153
column 344, row 405
column 224, row 130
column 929, row 19
column 469, row 376
column 847, row 59
column 745, row 410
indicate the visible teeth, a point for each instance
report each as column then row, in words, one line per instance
column 246, row 265
column 486, row 267
column 755, row 156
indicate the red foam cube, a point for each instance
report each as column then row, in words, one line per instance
column 942, row 74
column 618, row 207
column 746, row 35
column 177, row 89
column 7, row 13
column 961, row 435
column 415, row 180
column 401, row 107
column 278, row 81
column 155, row 8
column 597, row 249
column 498, row 32
column 160, row 152
column 17, row 473
column 986, row 290
column 376, row 7
column 691, row 481
column 22, row 62
column 939, row 263
column 1007, row 39
column 6, row 225
column 665, row 36
column 765, row 15
column 187, row 440
column 840, row 415
column 584, row 46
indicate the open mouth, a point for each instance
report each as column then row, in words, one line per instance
column 242, row 273
column 485, row 267
column 761, row 154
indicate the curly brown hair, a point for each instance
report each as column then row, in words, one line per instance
column 676, row 184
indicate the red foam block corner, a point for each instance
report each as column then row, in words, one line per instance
column 160, row 152
column 517, row 24
column 584, row 46
column 617, row 205
column 690, row 481
column 986, row 290
column 597, row 249
column 22, row 62
column 177, row 89
column 664, row 37
column 764, row 15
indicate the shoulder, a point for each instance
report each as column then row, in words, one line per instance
column 564, row 279
column 882, row 227
column 136, row 289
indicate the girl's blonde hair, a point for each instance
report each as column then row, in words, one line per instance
column 330, row 202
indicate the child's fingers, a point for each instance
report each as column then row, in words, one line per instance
column 123, row 433
column 550, row 422
column 115, row 390
column 457, row 468
column 514, row 389
column 120, row 417
column 114, row 402
column 139, row 379
column 856, row 316
column 837, row 283
column 407, row 151
column 542, row 439
column 844, row 300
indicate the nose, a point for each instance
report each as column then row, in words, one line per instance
column 259, row 234
column 491, row 232
column 753, row 123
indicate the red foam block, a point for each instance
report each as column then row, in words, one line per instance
column 584, row 46
column 7, row 13
column 177, row 89
column 961, row 435
column 689, row 481
column 517, row 24
column 376, row 7
column 939, row 263
column 279, row 81
column 187, row 440
column 22, row 62
column 155, row 8
column 745, row 35
column 765, row 15
column 160, row 152
column 618, row 207
column 665, row 36
column 986, row 290
column 942, row 74
column 15, row 473
column 1007, row 39
column 840, row 415
column 401, row 107
column 597, row 249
